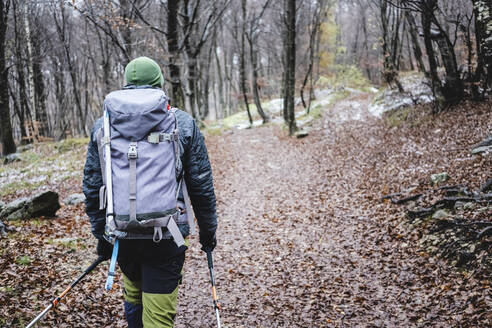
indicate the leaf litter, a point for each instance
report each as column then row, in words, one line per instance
column 304, row 238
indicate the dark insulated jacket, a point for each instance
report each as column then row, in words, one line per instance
column 197, row 172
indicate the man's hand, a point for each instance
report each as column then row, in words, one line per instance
column 104, row 249
column 208, row 243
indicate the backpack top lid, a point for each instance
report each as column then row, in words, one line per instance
column 134, row 113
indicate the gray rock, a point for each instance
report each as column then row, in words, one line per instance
column 3, row 233
column 483, row 146
column 469, row 206
column 417, row 89
column 43, row 204
column 301, row 134
column 2, row 205
column 12, row 207
column 440, row 214
column 439, row 178
column 483, row 149
column 74, row 199
column 24, row 148
column 485, row 209
column 459, row 205
column 486, row 142
column 487, row 186
column 11, row 158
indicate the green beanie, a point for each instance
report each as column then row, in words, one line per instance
column 143, row 71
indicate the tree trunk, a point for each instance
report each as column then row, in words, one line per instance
column 19, row 113
column 192, row 84
column 21, row 108
column 126, row 14
column 64, row 39
column 453, row 86
column 220, row 82
column 290, row 65
column 30, row 74
column 173, row 47
column 389, row 72
column 365, row 46
column 242, row 61
column 452, row 90
column 256, row 92
column 8, row 144
column 39, row 88
column 412, row 28
column 483, row 27
column 431, row 56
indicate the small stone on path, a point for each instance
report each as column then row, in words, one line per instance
column 301, row 134
column 74, row 199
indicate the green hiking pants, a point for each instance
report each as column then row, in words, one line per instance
column 151, row 276
column 159, row 310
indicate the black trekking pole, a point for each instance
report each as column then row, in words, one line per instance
column 57, row 300
column 214, row 292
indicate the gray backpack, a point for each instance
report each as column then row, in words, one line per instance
column 138, row 148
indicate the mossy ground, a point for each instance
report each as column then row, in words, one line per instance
column 340, row 78
column 44, row 164
column 410, row 116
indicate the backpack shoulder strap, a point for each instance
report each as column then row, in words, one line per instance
column 190, row 215
column 102, row 162
column 100, row 150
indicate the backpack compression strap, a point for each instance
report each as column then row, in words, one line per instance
column 132, row 158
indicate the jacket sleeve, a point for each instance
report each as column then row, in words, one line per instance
column 199, row 180
column 92, row 183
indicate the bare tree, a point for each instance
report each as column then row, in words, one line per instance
column 252, row 34
column 173, row 48
column 8, row 145
column 290, row 64
column 242, row 64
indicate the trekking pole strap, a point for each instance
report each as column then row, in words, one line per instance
column 112, row 266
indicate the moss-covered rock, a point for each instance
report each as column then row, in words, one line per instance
column 43, row 204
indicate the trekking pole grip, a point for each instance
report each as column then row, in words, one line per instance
column 98, row 261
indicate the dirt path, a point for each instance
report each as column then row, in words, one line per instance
column 300, row 242
column 304, row 240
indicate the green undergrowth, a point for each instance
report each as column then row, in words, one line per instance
column 344, row 76
column 407, row 116
column 337, row 79
column 218, row 127
column 69, row 243
column 11, row 187
column 24, row 260
column 317, row 110
column 71, row 144
column 45, row 163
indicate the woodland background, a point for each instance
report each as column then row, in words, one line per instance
column 377, row 214
column 59, row 58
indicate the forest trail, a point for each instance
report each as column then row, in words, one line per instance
column 303, row 241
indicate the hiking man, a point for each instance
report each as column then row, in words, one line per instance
column 151, row 270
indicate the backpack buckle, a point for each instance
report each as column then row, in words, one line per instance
column 154, row 138
column 132, row 151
